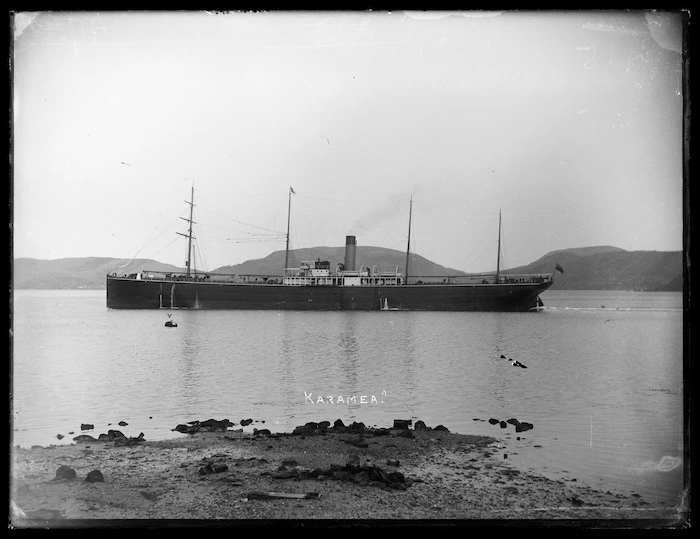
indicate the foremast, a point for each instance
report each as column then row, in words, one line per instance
column 189, row 236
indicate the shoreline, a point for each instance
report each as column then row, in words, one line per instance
column 349, row 474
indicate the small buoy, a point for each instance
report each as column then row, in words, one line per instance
column 171, row 324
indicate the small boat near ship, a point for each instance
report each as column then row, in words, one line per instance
column 315, row 285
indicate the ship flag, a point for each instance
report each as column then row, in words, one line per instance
column 291, row 190
column 558, row 267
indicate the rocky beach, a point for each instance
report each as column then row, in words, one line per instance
column 217, row 474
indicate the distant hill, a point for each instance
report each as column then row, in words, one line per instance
column 384, row 259
column 585, row 268
column 598, row 268
column 73, row 273
column 585, row 251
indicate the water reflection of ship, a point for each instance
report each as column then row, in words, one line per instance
column 349, row 351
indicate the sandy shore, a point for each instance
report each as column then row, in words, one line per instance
column 349, row 475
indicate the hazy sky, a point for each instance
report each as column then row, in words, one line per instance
column 569, row 123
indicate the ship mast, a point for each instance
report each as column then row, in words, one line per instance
column 289, row 214
column 189, row 234
column 408, row 247
column 498, row 259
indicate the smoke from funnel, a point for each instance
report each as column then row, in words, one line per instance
column 388, row 210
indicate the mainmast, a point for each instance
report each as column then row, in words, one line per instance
column 408, row 247
column 289, row 214
column 498, row 259
column 189, row 234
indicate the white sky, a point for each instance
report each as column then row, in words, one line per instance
column 570, row 123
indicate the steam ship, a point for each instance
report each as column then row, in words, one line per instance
column 315, row 285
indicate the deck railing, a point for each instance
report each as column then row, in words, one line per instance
column 485, row 278
column 253, row 278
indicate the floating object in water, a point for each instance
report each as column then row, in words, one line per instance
column 171, row 324
column 513, row 362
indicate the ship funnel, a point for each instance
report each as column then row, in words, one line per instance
column 350, row 248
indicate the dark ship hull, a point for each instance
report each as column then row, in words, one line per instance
column 132, row 293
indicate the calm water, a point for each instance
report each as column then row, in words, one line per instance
column 603, row 387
